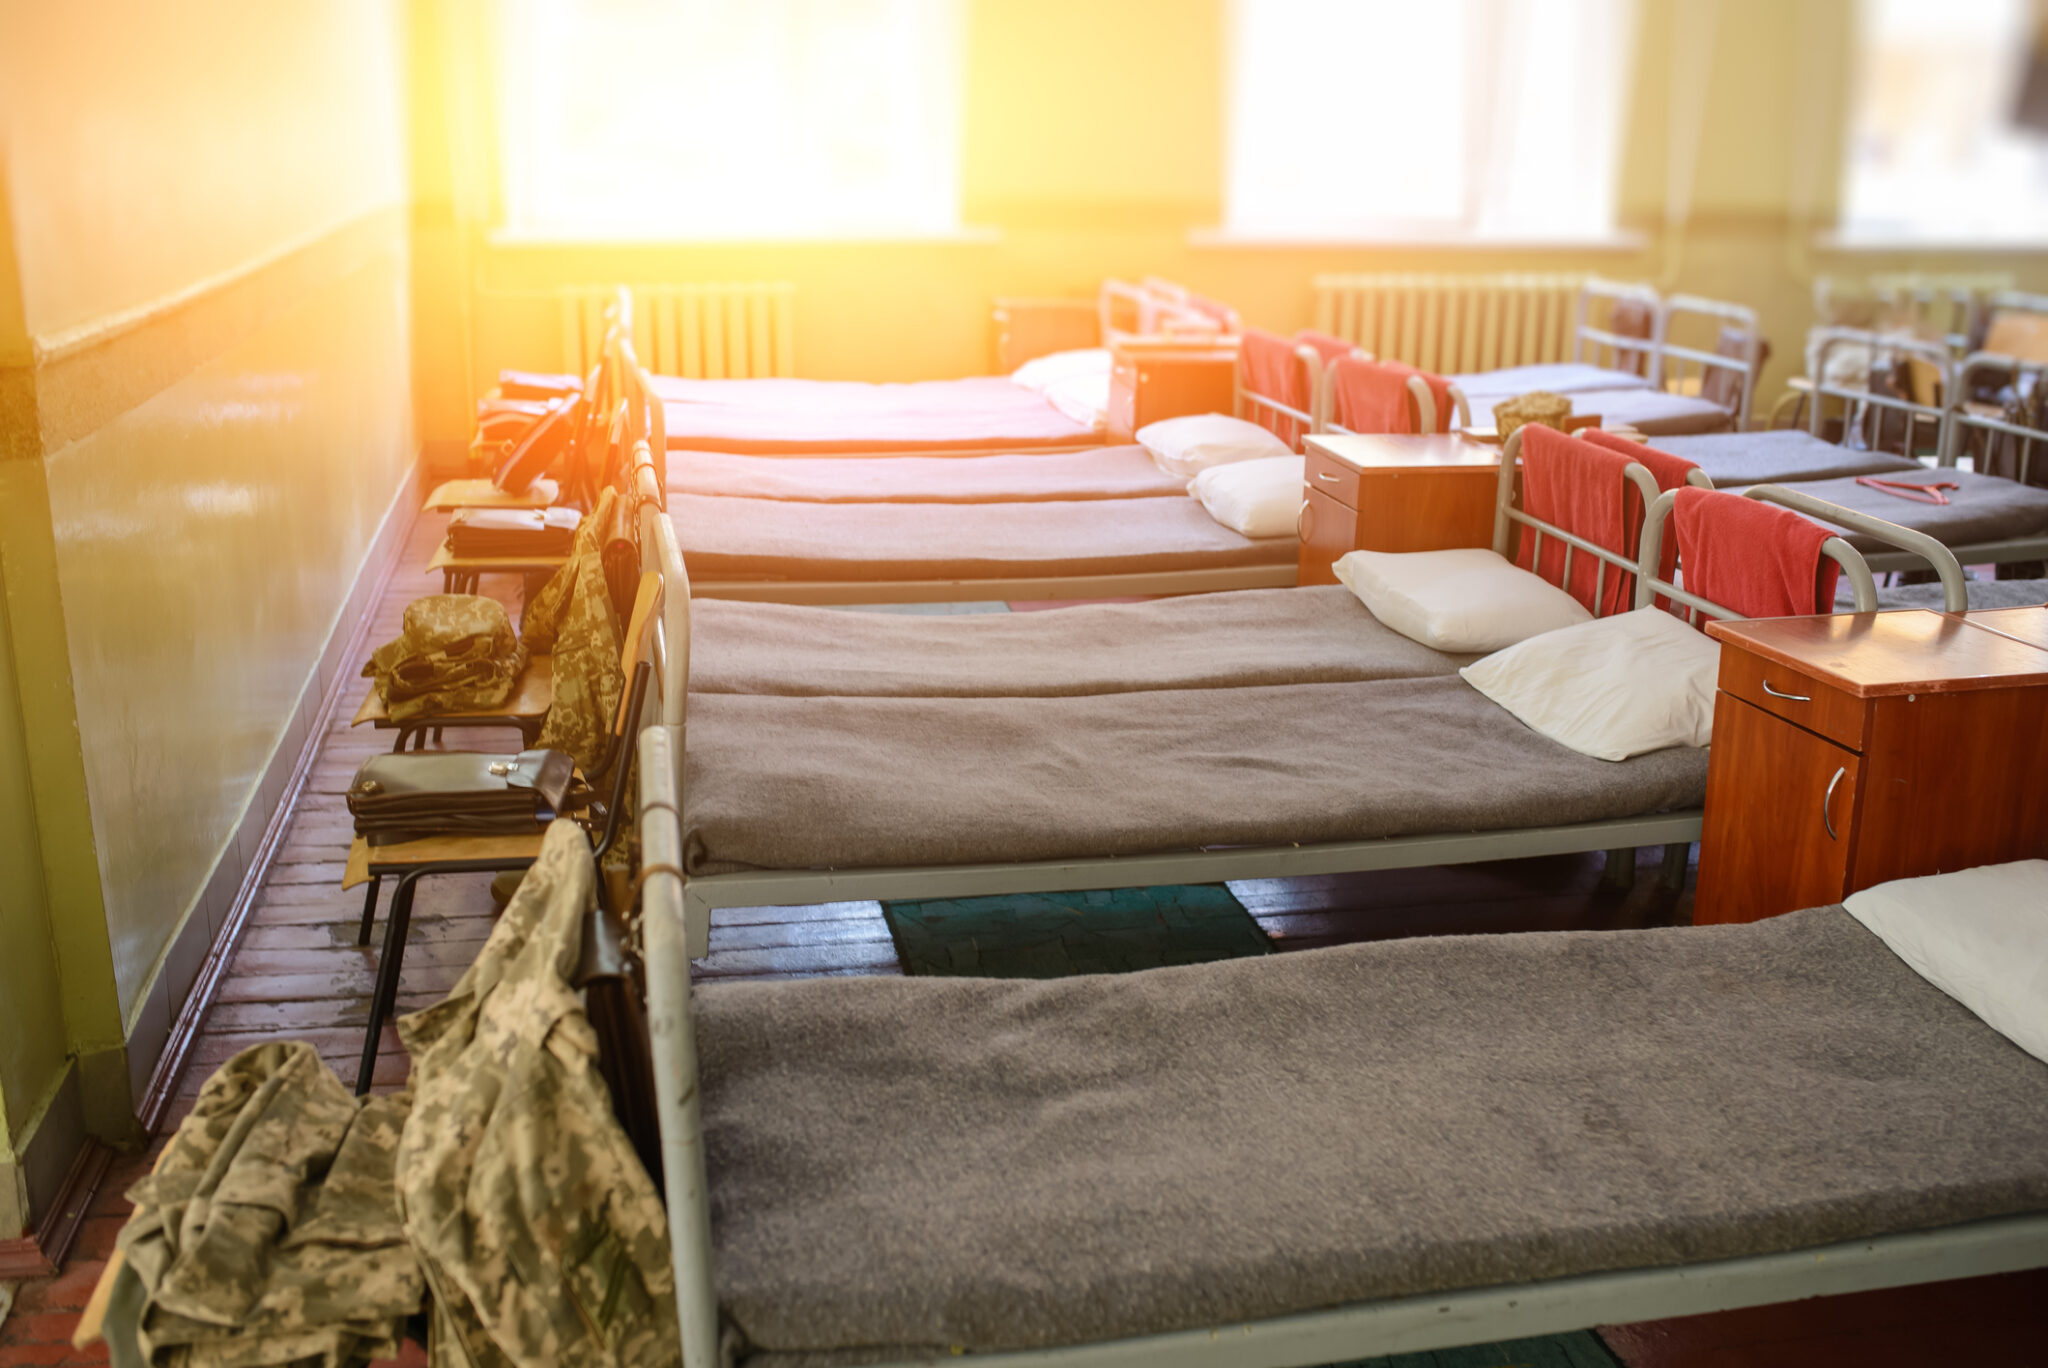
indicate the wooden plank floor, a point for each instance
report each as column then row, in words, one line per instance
column 298, row 974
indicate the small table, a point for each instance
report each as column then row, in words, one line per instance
column 1858, row 748
column 1369, row 492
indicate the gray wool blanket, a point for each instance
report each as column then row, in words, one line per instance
column 1313, row 635
column 1122, row 472
column 738, row 539
column 1982, row 508
column 1781, row 456
column 1983, row 594
column 925, row 1163
column 777, row 782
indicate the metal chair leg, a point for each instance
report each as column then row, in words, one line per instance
column 1676, row 859
column 1620, row 873
column 369, row 912
column 384, row 996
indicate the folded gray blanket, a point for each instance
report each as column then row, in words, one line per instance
column 778, row 782
column 1320, row 634
column 927, row 1163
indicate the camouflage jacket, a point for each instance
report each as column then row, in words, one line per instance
column 543, row 1239
column 269, row 1232
column 573, row 619
column 456, row 653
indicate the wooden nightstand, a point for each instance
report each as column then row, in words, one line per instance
column 1381, row 493
column 1155, row 378
column 1853, row 749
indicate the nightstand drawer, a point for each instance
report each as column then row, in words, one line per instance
column 1798, row 698
column 1332, row 478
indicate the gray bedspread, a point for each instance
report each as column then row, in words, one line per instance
column 1734, row 459
column 1121, row 472
column 774, row 539
column 1487, row 388
column 928, row 1162
column 1983, row 594
column 777, row 782
column 1320, row 634
column 1983, row 509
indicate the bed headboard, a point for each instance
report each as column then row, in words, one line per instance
column 1863, row 410
column 1962, row 421
column 1509, row 515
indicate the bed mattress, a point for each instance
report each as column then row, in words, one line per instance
column 796, row 417
column 781, row 782
column 1320, row 634
column 1652, row 412
column 1984, row 508
column 1124, row 472
column 771, row 539
column 1983, row 593
column 1734, row 459
column 1557, row 377
column 930, row 1164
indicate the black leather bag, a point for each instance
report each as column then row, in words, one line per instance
column 518, row 384
column 539, row 447
column 511, row 532
column 410, row 795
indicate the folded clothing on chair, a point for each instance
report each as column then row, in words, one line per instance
column 483, row 532
column 409, row 795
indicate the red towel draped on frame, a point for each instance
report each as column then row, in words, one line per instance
column 1755, row 558
column 1581, row 487
column 1269, row 367
column 1332, row 349
column 1373, row 396
column 1670, row 472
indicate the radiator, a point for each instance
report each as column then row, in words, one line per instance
column 699, row 332
column 1450, row 324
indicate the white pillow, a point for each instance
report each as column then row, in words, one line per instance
column 1083, row 398
column 1188, row 446
column 1623, row 685
column 1040, row 372
column 1464, row 600
column 1259, row 498
column 1979, row 935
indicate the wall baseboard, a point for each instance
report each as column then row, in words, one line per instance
column 345, row 646
column 41, row 1254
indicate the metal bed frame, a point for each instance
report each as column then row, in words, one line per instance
column 1960, row 420
column 1862, row 410
column 1399, row 1325
column 774, row 887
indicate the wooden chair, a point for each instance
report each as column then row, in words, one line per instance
column 410, row 861
column 533, row 693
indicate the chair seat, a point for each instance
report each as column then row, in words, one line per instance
column 431, row 849
column 533, row 693
column 444, row 559
column 479, row 492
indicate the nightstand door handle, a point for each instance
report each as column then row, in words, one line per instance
column 1828, row 801
column 1326, row 475
column 1796, row 698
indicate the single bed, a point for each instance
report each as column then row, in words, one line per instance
column 894, row 552
column 1454, row 1140
column 1118, row 472
column 810, row 417
column 1987, row 519
column 802, row 793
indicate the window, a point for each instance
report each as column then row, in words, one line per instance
column 705, row 119
column 1465, row 118
column 1933, row 151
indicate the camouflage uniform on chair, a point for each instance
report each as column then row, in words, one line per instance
column 456, row 653
column 269, row 1232
column 543, row 1238
column 573, row 619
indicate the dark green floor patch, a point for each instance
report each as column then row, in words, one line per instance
column 1053, row 935
column 1580, row 1349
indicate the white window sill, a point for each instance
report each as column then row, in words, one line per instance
column 1620, row 240
column 965, row 236
column 1851, row 240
